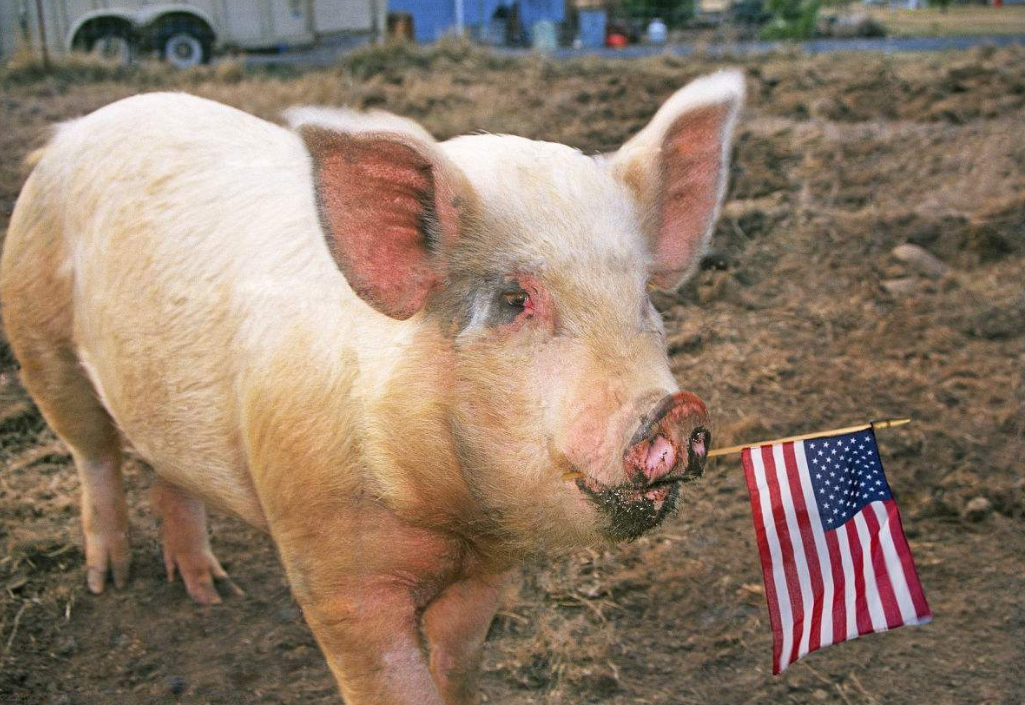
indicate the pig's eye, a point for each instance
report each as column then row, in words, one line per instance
column 516, row 299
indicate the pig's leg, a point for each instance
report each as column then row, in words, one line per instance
column 69, row 403
column 369, row 635
column 455, row 626
column 359, row 579
column 186, row 543
column 104, row 518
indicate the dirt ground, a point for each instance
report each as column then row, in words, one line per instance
column 800, row 319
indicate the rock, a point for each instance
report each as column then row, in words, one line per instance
column 717, row 261
column 998, row 322
column 921, row 260
column 176, row 684
column 66, row 646
column 978, row 509
column 288, row 615
column 820, row 695
column 899, row 288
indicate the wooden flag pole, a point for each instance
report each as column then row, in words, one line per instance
column 574, row 474
column 834, row 432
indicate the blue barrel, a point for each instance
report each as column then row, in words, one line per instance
column 592, row 28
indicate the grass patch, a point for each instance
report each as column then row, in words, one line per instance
column 964, row 21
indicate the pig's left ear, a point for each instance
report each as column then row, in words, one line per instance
column 676, row 168
column 392, row 204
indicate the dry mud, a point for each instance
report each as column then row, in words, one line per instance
column 794, row 323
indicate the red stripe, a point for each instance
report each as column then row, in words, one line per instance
column 786, row 549
column 839, row 588
column 862, row 617
column 907, row 562
column 886, row 595
column 811, row 553
column 763, row 551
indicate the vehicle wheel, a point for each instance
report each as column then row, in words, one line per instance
column 183, row 49
column 113, row 47
column 106, row 39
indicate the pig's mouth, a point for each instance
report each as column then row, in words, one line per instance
column 631, row 511
column 633, row 508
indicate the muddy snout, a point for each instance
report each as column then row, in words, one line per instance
column 670, row 443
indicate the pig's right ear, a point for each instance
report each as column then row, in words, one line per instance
column 676, row 169
column 391, row 204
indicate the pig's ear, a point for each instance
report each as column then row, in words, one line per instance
column 676, row 168
column 391, row 204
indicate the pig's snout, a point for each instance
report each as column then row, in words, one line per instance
column 671, row 442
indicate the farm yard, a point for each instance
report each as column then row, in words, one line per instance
column 802, row 317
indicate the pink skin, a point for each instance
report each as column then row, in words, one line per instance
column 660, row 459
column 674, row 434
column 646, row 460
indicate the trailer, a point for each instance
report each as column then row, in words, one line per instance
column 184, row 33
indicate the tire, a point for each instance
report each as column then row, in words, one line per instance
column 184, row 49
column 109, row 40
column 114, row 46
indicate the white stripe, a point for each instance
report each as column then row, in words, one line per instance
column 797, row 544
column 893, row 565
column 778, row 578
column 821, row 547
column 872, row 594
column 848, row 580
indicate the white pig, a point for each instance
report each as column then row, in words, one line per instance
column 412, row 363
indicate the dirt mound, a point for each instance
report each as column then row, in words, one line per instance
column 804, row 315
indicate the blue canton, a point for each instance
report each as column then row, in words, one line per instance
column 846, row 474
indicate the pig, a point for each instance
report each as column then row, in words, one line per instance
column 413, row 364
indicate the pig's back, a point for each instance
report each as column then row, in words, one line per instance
column 192, row 235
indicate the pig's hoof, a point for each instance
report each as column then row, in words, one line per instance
column 202, row 573
column 106, row 552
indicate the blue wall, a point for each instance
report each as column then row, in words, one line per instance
column 433, row 19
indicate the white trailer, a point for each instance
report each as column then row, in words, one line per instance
column 185, row 32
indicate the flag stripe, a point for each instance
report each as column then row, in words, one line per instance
column 760, row 512
column 801, row 623
column 783, row 601
column 850, row 585
column 886, row 595
column 876, row 616
column 893, row 566
column 812, row 599
column 839, row 589
column 858, row 620
column 823, row 635
column 922, row 611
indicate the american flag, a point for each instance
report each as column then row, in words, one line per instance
column 834, row 558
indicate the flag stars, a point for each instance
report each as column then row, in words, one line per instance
column 845, row 475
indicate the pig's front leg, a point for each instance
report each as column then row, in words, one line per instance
column 455, row 625
column 369, row 635
column 363, row 579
